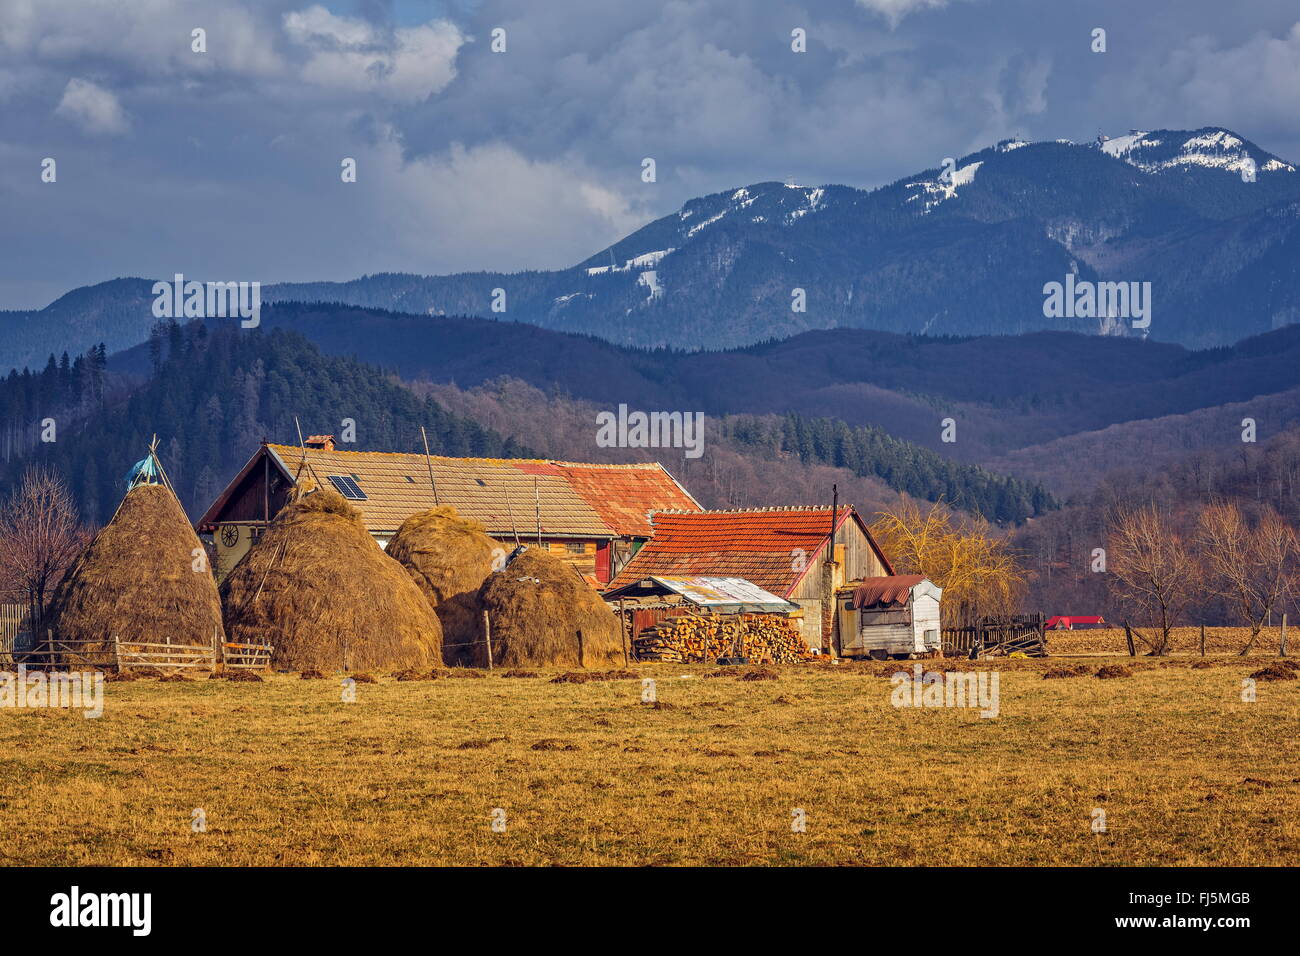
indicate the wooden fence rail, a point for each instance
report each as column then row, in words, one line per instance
column 119, row 654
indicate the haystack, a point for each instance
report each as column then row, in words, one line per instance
column 449, row 557
column 541, row 611
column 137, row 580
column 319, row 588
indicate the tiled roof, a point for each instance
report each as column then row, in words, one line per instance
column 772, row 547
column 501, row 493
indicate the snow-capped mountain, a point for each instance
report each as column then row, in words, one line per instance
column 967, row 247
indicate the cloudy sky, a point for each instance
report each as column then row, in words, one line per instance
column 226, row 164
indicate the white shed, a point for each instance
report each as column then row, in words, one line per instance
column 895, row 616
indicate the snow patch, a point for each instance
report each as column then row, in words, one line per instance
column 650, row 279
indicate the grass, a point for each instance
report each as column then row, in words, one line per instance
column 288, row 774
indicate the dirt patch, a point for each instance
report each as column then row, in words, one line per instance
column 519, row 673
column 123, row 677
column 363, row 678
column 760, row 673
column 311, row 674
column 586, row 677
column 1068, row 670
column 465, row 672
column 550, row 744
column 1112, row 671
column 174, row 679
column 242, row 677
column 1275, row 671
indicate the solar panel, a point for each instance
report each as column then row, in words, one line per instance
column 347, row 487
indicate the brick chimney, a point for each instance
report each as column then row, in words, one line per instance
column 325, row 442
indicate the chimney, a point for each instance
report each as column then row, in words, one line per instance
column 324, row 442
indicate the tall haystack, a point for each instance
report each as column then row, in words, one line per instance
column 541, row 611
column 449, row 557
column 137, row 580
column 319, row 588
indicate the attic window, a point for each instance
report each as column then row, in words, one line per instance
column 347, row 486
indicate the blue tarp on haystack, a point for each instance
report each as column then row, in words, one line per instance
column 144, row 470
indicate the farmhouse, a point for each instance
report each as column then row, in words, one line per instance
column 782, row 551
column 592, row 516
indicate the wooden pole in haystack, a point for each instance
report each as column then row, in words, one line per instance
column 487, row 636
column 428, row 460
column 537, row 502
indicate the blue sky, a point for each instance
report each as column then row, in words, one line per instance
column 226, row 164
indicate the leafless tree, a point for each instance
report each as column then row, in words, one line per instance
column 1250, row 567
column 1153, row 570
column 40, row 538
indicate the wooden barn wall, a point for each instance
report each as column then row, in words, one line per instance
column 860, row 561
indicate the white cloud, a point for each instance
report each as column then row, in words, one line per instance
column 471, row 208
column 896, row 10
column 93, row 108
column 407, row 64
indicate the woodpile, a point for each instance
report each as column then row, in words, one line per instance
column 763, row 638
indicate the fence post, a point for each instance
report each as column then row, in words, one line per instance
column 624, row 625
column 487, row 636
column 1202, row 640
column 1282, row 643
column 1128, row 636
column 582, row 658
column 117, row 652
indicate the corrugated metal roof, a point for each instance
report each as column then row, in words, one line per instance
column 719, row 592
column 895, row 589
column 582, row 500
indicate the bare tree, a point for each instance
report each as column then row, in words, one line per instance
column 40, row 538
column 1152, row 568
column 1249, row 567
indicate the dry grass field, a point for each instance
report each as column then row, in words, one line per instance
column 1184, row 640
column 289, row 774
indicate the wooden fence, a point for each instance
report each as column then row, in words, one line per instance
column 992, row 636
column 125, row 655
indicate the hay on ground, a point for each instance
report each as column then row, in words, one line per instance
column 136, row 580
column 449, row 557
column 538, row 606
column 321, row 590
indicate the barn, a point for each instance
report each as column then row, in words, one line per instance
column 799, row 554
column 593, row 516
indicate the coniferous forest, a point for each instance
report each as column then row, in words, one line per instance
column 211, row 398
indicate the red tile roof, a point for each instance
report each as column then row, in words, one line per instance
column 623, row 495
column 771, row 547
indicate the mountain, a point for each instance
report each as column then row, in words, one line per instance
column 1004, row 392
column 1055, row 408
column 964, row 248
column 961, row 251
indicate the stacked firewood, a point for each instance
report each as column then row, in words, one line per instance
column 763, row 638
